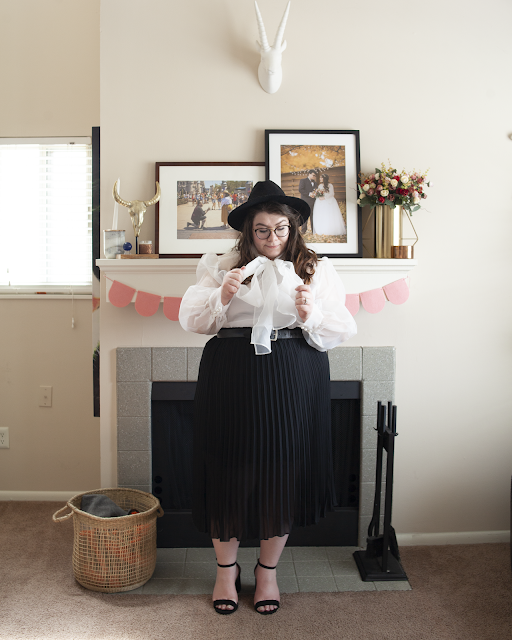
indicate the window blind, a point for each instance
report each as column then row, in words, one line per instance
column 46, row 217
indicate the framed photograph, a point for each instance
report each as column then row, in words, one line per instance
column 191, row 217
column 321, row 167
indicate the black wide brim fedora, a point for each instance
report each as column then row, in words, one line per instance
column 267, row 191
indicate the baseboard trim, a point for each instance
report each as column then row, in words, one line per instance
column 38, row 496
column 462, row 537
column 404, row 539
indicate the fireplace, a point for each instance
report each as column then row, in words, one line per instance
column 138, row 368
column 172, row 409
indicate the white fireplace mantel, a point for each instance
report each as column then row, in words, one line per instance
column 172, row 277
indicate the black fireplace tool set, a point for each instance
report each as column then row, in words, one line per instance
column 381, row 560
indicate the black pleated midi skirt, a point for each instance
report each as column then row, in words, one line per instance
column 262, row 439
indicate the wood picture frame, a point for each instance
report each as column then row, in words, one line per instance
column 185, row 184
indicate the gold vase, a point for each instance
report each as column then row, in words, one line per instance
column 388, row 229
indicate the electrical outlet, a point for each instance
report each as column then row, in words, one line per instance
column 4, row 437
column 45, row 396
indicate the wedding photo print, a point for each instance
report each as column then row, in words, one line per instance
column 193, row 216
column 316, row 174
column 318, row 167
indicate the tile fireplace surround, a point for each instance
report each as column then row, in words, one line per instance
column 138, row 367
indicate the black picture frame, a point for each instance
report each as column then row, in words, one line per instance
column 342, row 165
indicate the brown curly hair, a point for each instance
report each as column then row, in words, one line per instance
column 304, row 260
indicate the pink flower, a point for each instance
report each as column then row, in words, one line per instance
column 391, row 197
column 379, row 187
column 370, row 192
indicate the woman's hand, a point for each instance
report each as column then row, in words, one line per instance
column 304, row 301
column 230, row 284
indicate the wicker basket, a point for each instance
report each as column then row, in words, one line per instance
column 114, row 554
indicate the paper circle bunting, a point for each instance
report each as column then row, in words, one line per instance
column 352, row 303
column 373, row 301
column 172, row 308
column 146, row 304
column 397, row 292
column 120, row 295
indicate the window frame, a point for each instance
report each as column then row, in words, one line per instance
column 48, row 290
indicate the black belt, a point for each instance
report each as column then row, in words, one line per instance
column 275, row 334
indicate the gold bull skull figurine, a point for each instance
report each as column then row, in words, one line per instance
column 137, row 208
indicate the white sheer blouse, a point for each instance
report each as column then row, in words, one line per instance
column 267, row 302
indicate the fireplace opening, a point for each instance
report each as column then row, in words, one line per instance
column 172, row 408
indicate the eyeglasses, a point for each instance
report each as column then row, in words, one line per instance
column 280, row 232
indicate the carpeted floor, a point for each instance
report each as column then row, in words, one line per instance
column 458, row 592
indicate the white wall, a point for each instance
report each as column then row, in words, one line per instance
column 427, row 86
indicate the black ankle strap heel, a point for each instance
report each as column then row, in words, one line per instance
column 238, row 586
column 262, row 603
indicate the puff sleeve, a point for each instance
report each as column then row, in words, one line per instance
column 201, row 310
column 330, row 323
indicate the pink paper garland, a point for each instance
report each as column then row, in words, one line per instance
column 397, row 292
column 172, row 308
column 352, row 303
column 120, row 295
column 146, row 304
column 373, row 301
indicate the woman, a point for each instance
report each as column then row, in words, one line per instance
column 327, row 218
column 226, row 206
column 262, row 444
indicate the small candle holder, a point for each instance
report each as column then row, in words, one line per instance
column 113, row 240
column 145, row 246
column 403, row 252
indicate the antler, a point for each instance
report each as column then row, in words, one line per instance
column 118, row 198
column 261, row 28
column 155, row 198
column 280, row 32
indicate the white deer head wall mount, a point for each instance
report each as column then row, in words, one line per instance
column 270, row 73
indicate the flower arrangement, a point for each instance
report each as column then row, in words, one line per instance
column 319, row 192
column 389, row 187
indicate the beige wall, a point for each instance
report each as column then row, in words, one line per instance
column 49, row 66
column 51, row 448
column 426, row 87
column 49, row 75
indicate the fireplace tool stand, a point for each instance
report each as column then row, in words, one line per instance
column 381, row 560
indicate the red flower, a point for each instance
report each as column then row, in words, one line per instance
column 381, row 199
